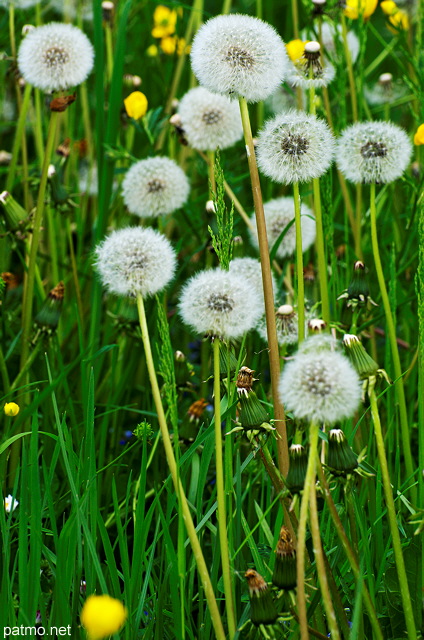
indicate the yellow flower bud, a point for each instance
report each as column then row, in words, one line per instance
column 152, row 51
column 295, row 49
column 419, row 135
column 168, row 45
column 102, row 616
column 11, row 409
column 136, row 105
column 356, row 8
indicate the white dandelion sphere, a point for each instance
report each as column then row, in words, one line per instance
column 330, row 35
column 279, row 213
column 209, row 120
column 219, row 303
column 155, row 187
column 239, row 55
column 320, row 384
column 55, row 56
column 135, row 260
column 295, row 147
column 370, row 152
column 308, row 71
column 249, row 269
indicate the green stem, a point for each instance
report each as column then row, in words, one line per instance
column 399, row 387
column 170, row 458
column 109, row 52
column 18, row 138
column 211, row 173
column 350, row 554
column 295, row 18
column 301, row 531
column 299, row 264
column 319, row 559
column 4, row 373
column 30, row 277
column 391, row 513
column 320, row 248
column 274, row 358
column 220, row 495
column 350, row 73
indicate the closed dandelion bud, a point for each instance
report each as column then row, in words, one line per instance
column 341, row 458
column 13, row 212
column 245, row 380
column 363, row 363
column 295, row 479
column 252, row 412
column 49, row 314
column 357, row 294
column 108, row 10
column 262, row 608
column 284, row 576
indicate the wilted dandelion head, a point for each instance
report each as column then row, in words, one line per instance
column 295, row 147
column 55, row 56
column 135, row 260
column 239, row 55
column 209, row 120
column 286, row 321
column 308, row 71
column 279, row 213
column 320, row 384
column 155, row 187
column 249, row 269
column 373, row 152
column 219, row 303
column 331, row 34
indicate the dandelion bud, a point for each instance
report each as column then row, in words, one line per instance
column 11, row 409
column 227, row 361
column 196, row 409
column 102, row 616
column 5, row 157
column 244, row 380
column 316, row 325
column 415, row 169
column 132, row 81
column 64, row 149
column 27, row 28
column 357, row 294
column 295, row 479
column 14, row 214
column 238, row 240
column 179, row 356
column 210, row 206
column 284, row 576
column 363, row 363
column 108, row 10
column 341, row 458
column 262, row 608
column 252, row 412
column 48, row 316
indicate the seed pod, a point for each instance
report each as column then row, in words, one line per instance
column 49, row 314
column 284, row 576
column 341, row 458
column 363, row 363
column 15, row 215
column 252, row 412
column 262, row 608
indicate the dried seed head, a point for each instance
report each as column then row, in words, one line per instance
column 262, row 608
column 245, row 380
column 196, row 410
column 284, row 576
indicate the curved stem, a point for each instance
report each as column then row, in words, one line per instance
column 391, row 513
column 172, row 464
column 301, row 532
column 299, row 264
column 399, row 387
column 274, row 357
column 220, row 495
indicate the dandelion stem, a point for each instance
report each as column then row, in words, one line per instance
column 220, row 495
column 18, row 137
column 299, row 264
column 301, row 532
column 391, row 513
column 399, row 387
column 349, row 69
column 319, row 559
column 170, row 458
column 274, row 358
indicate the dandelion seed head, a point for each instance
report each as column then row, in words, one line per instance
column 239, row 55
column 307, row 71
column 330, row 34
column 295, row 147
column 155, row 187
column 220, row 303
column 370, row 152
column 135, row 260
column 320, row 384
column 209, row 120
column 385, row 91
column 249, row 269
column 279, row 212
column 55, row 56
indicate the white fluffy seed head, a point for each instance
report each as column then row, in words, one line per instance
column 55, row 56
column 219, row 303
column 278, row 214
column 18, row 4
column 249, row 270
column 370, row 152
column 295, row 147
column 330, row 35
column 320, row 384
column 135, row 260
column 238, row 55
column 155, row 187
column 209, row 120
column 298, row 74
column 286, row 320
column 385, row 91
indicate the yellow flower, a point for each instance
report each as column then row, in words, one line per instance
column 11, row 409
column 152, row 51
column 419, row 135
column 136, row 105
column 164, row 22
column 397, row 17
column 171, row 44
column 356, row 8
column 295, row 49
column 102, row 616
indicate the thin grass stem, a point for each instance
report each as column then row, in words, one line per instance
column 299, row 264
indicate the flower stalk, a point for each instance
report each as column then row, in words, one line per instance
column 299, row 265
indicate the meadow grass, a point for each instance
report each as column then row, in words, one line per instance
column 118, row 485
